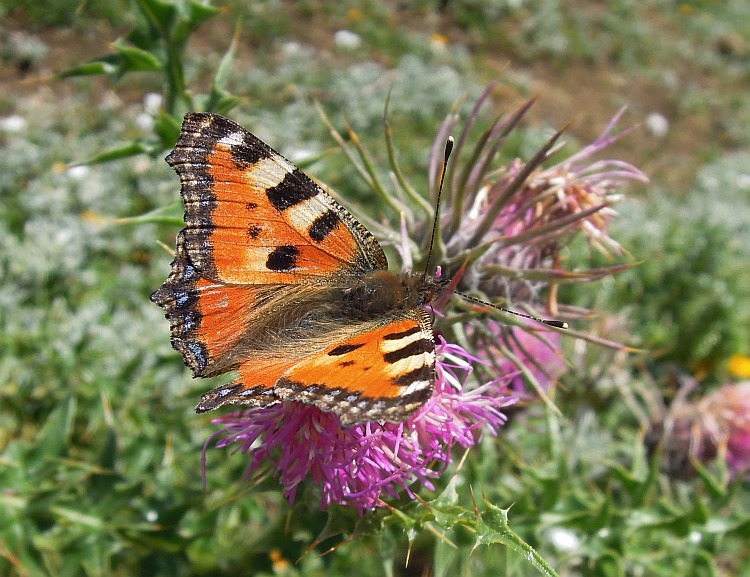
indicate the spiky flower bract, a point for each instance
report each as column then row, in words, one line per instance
column 504, row 226
column 509, row 221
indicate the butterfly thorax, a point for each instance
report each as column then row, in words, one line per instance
column 382, row 292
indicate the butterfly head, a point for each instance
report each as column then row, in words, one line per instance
column 429, row 288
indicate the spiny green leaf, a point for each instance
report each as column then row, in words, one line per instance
column 201, row 12
column 192, row 15
column 445, row 509
column 715, row 484
column 603, row 515
column 631, row 481
column 167, row 127
column 107, row 65
column 658, row 518
column 160, row 15
column 704, row 565
column 219, row 99
column 55, row 435
column 78, row 517
column 609, row 565
column 170, row 214
column 493, row 527
column 225, row 66
column 742, row 529
column 700, row 511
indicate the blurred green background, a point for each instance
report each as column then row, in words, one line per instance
column 100, row 450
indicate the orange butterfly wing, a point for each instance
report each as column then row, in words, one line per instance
column 206, row 318
column 252, row 217
column 260, row 235
column 383, row 374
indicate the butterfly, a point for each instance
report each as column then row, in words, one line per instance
column 277, row 283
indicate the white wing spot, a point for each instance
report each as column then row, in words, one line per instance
column 416, row 386
column 388, row 346
column 302, row 214
column 269, row 172
column 234, row 139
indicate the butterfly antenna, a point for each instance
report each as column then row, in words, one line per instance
column 555, row 324
column 448, row 150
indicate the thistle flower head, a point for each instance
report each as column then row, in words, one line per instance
column 509, row 221
column 364, row 464
column 718, row 423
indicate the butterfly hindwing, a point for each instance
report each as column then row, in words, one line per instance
column 384, row 373
column 254, row 385
column 252, row 217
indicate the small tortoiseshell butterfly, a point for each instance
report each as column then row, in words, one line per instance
column 276, row 281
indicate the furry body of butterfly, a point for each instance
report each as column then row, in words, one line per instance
column 296, row 321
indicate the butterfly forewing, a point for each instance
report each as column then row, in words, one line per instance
column 252, row 217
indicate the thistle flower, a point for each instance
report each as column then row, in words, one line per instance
column 364, row 464
column 718, row 423
column 509, row 221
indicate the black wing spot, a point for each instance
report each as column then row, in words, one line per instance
column 343, row 349
column 251, row 205
column 254, row 231
column 248, row 152
column 283, row 258
column 295, row 188
column 343, row 364
column 323, row 225
column 412, row 349
column 402, row 334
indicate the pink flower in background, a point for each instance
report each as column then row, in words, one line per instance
column 729, row 409
column 716, row 424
